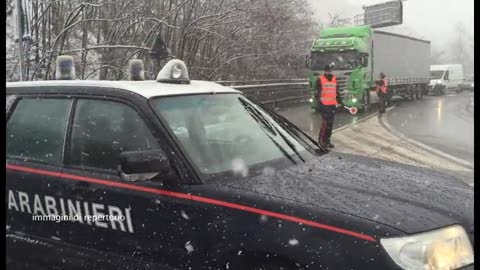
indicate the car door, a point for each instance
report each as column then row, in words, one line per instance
column 150, row 228
column 35, row 132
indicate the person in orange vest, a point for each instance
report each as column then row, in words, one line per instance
column 382, row 92
column 328, row 99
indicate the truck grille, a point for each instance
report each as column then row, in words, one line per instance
column 342, row 86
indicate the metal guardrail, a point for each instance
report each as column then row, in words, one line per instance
column 256, row 82
column 273, row 93
column 278, row 92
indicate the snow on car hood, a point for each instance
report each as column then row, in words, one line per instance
column 411, row 199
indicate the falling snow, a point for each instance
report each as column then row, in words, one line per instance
column 239, row 167
column 189, row 247
column 184, row 215
column 293, row 242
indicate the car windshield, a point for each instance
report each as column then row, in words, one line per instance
column 341, row 60
column 436, row 74
column 228, row 135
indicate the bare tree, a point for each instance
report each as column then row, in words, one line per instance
column 337, row 21
column 461, row 48
column 438, row 56
column 218, row 39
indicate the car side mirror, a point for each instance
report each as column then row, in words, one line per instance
column 143, row 165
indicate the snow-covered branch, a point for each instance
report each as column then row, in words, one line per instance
column 216, row 38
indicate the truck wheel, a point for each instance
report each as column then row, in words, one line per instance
column 406, row 94
column 365, row 101
column 419, row 92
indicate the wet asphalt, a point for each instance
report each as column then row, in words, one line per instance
column 310, row 122
column 442, row 122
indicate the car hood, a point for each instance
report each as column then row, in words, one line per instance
column 408, row 198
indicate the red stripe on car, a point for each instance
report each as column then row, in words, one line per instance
column 192, row 198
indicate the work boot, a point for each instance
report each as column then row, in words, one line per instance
column 323, row 145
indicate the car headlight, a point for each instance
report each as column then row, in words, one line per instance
column 446, row 248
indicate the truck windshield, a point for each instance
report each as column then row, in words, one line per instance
column 226, row 135
column 436, row 74
column 342, row 60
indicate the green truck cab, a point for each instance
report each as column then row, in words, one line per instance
column 348, row 48
column 359, row 54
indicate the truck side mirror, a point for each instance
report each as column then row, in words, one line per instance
column 364, row 60
column 143, row 165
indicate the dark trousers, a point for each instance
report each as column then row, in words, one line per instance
column 382, row 99
column 328, row 116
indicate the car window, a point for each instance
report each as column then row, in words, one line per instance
column 36, row 129
column 103, row 129
column 225, row 134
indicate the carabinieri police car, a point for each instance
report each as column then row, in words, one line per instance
column 184, row 174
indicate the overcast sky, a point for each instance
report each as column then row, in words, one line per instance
column 429, row 19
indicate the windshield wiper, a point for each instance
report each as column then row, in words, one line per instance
column 291, row 127
column 289, row 143
column 267, row 127
column 284, row 152
column 272, row 125
column 258, row 117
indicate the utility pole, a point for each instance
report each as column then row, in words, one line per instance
column 20, row 38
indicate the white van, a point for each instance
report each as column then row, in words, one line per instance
column 446, row 77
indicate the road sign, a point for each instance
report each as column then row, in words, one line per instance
column 381, row 15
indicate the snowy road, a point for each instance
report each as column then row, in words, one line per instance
column 436, row 132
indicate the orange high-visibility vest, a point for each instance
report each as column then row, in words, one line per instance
column 329, row 91
column 383, row 88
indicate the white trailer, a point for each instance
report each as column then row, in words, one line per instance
column 404, row 60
